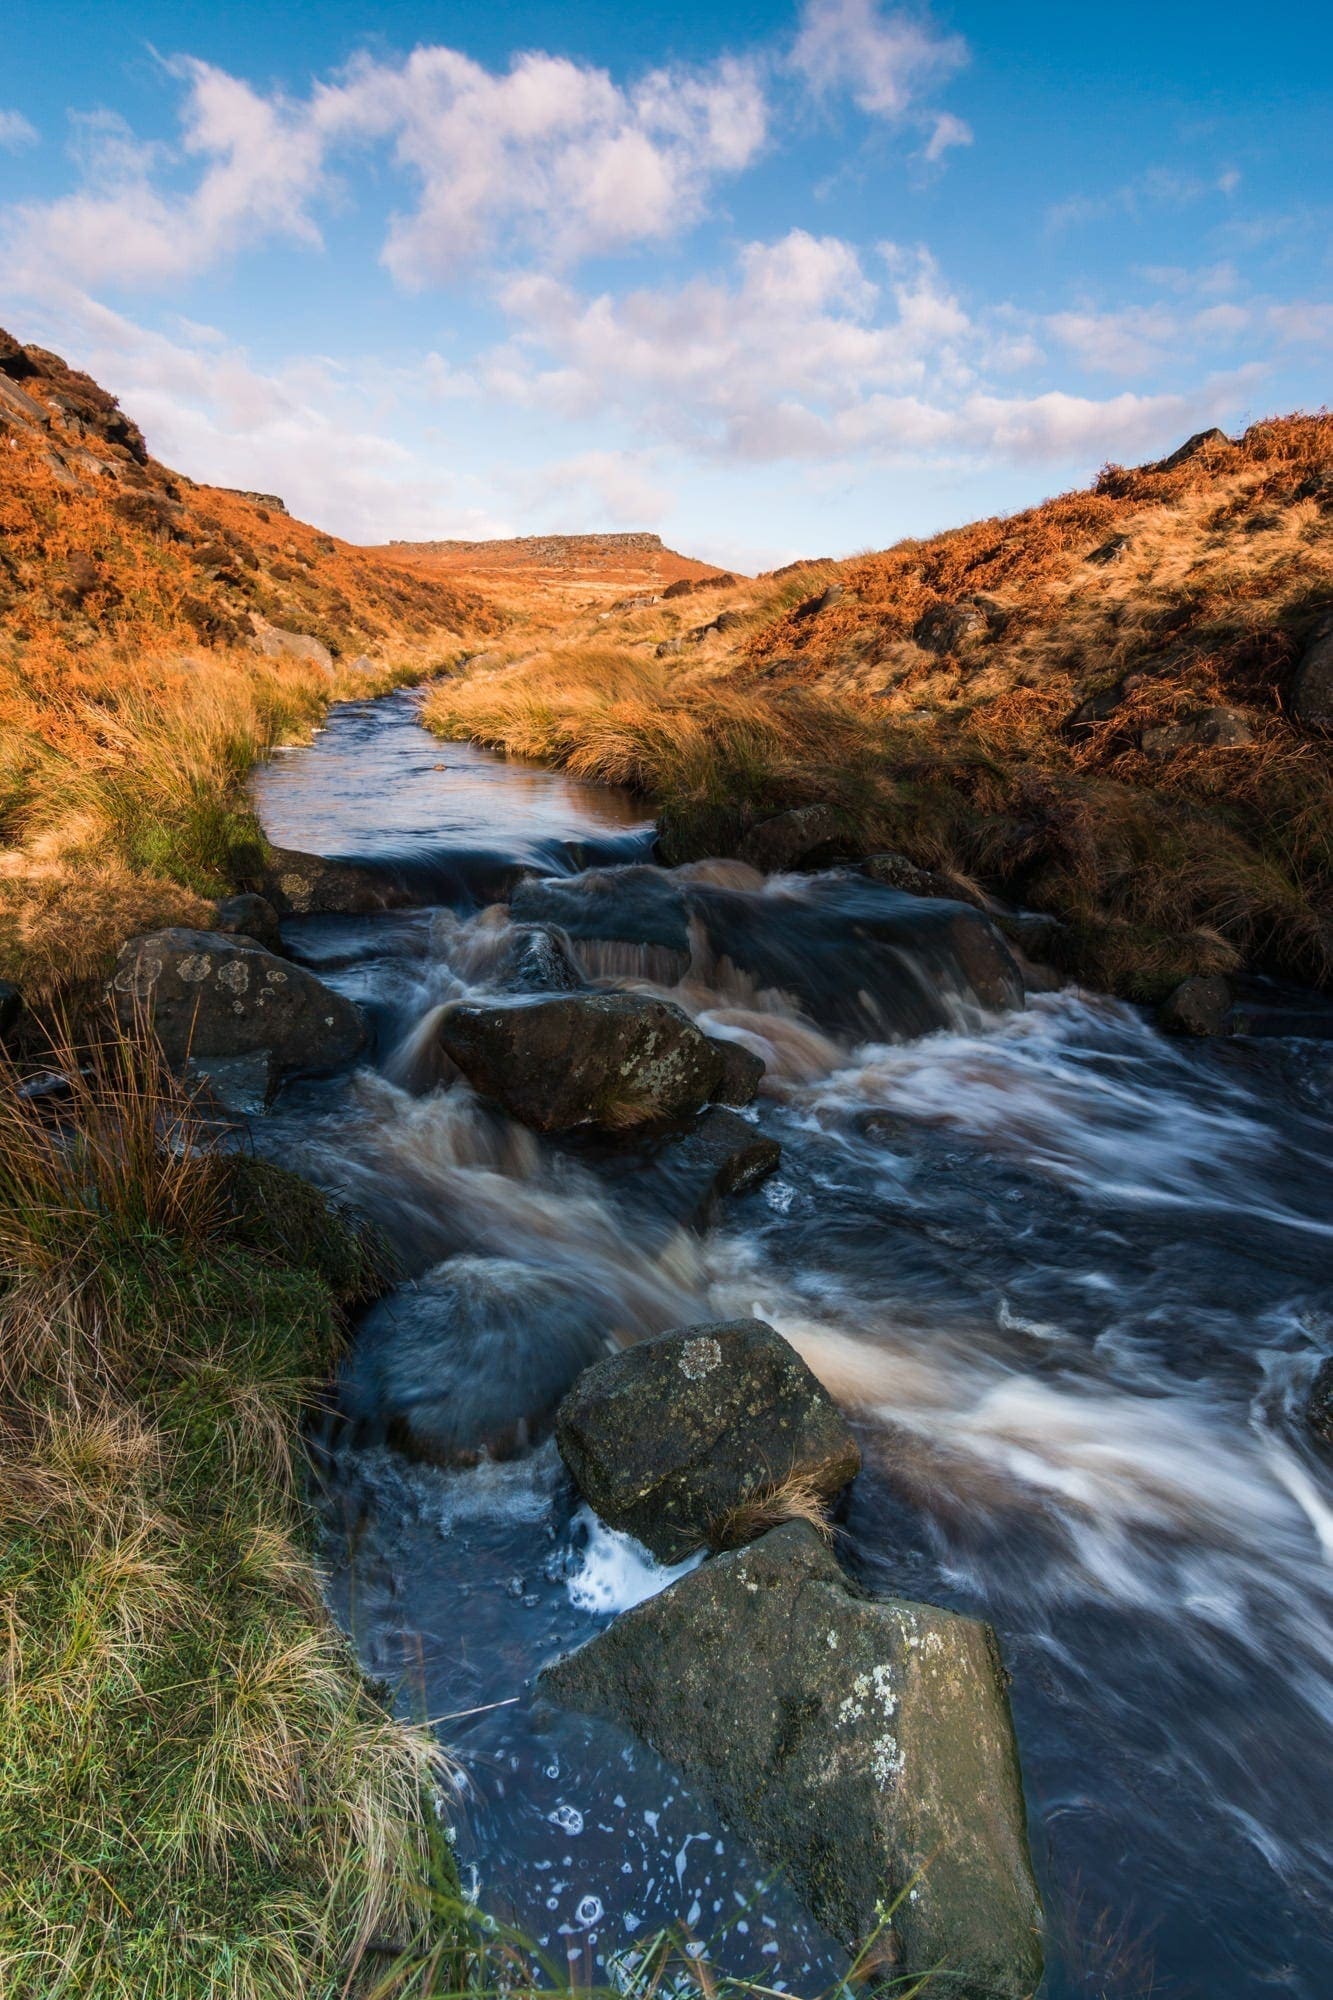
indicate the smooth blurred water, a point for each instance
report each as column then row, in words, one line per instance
column 1070, row 1279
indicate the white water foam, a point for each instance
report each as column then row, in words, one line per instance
column 617, row 1572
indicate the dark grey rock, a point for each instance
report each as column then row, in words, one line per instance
column 1212, row 443
column 613, row 1060
column 860, row 958
column 250, row 916
column 1319, row 1406
column 803, row 837
column 535, row 959
column 1311, row 697
column 1210, row 729
column 1110, row 551
column 1102, row 704
column 946, row 627
column 11, row 1007
column 238, row 1086
column 742, row 1073
column 665, row 1438
column 895, row 871
column 1199, row 1006
column 862, row 1745
column 209, row 995
column 306, row 885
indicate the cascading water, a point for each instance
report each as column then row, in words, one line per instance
column 1070, row 1279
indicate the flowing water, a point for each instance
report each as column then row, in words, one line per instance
column 1069, row 1279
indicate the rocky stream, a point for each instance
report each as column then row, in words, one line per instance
column 1066, row 1279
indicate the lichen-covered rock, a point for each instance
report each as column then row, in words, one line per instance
column 667, row 1437
column 283, row 645
column 862, row 1745
column 207, row 995
column 614, row 1060
column 309, row 885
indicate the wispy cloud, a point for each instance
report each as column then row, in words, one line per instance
column 16, row 132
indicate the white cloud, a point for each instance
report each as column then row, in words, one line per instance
column 552, row 153
column 884, row 60
column 595, row 490
column 948, row 131
column 551, row 158
column 15, row 132
column 261, row 170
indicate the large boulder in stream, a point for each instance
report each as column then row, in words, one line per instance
column 672, row 1438
column 208, row 995
column 862, row 1745
column 677, row 1178
column 613, row 1060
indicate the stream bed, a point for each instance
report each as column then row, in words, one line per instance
column 1070, row 1281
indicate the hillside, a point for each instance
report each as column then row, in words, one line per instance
column 561, row 574
column 156, row 636
column 1112, row 708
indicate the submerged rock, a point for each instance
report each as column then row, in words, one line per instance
column 678, row 1178
column 862, row 1745
column 614, row 1060
column 471, row 1358
column 1319, row 1405
column 667, row 1438
column 622, row 922
column 859, row 958
column 209, row 995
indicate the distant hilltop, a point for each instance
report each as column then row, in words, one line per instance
column 544, row 548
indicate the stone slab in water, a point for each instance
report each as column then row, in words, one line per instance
column 862, row 1745
column 666, row 1438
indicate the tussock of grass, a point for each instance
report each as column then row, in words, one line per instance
column 196, row 1794
column 799, row 1497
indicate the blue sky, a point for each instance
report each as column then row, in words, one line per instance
column 775, row 280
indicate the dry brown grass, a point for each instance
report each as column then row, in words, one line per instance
column 798, row 1497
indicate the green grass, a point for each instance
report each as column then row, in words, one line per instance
column 198, row 1795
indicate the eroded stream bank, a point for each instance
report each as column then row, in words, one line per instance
column 1070, row 1280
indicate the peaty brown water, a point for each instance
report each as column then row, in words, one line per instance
column 1070, row 1279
